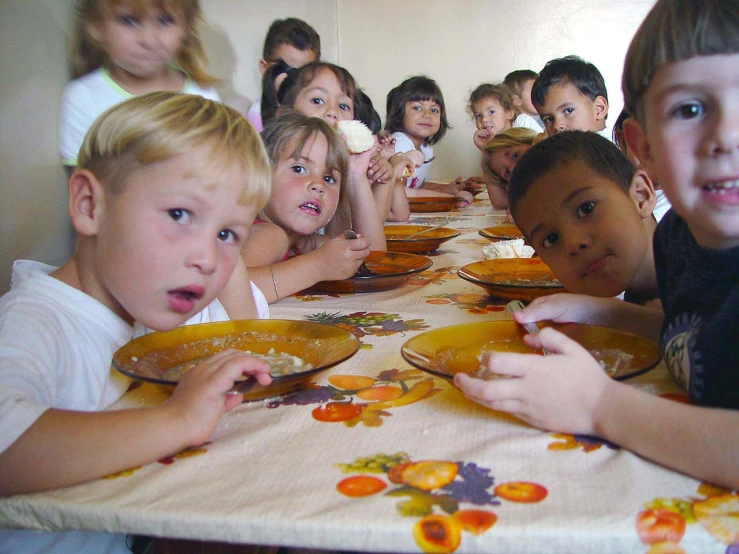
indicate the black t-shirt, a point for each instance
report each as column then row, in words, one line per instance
column 699, row 289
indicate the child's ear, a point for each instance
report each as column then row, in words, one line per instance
column 636, row 141
column 263, row 66
column 642, row 193
column 510, row 114
column 517, row 100
column 86, row 202
column 601, row 107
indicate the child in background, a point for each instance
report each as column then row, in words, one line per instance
column 329, row 92
column 291, row 41
column 311, row 190
column 662, row 204
column 416, row 117
column 681, row 82
column 501, row 155
column 570, row 95
column 588, row 214
column 164, row 193
column 493, row 112
column 126, row 48
column 520, row 83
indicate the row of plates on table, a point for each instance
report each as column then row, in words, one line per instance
column 442, row 352
column 508, row 279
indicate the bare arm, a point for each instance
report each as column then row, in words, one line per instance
column 399, row 209
column 366, row 218
column 695, row 440
column 236, row 296
column 64, row 448
column 698, row 441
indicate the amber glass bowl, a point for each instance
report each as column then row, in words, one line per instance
column 386, row 270
column 446, row 351
column 425, row 204
column 148, row 358
column 512, row 278
column 505, row 231
column 397, row 241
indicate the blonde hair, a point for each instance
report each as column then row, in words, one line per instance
column 158, row 126
column 294, row 126
column 87, row 53
column 676, row 30
column 515, row 136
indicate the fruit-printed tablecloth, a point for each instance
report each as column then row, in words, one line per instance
column 377, row 456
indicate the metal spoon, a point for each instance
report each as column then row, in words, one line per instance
column 427, row 230
column 363, row 270
column 531, row 328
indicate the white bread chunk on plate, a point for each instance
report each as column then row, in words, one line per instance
column 356, row 134
column 507, row 249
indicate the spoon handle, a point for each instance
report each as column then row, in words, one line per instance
column 531, row 328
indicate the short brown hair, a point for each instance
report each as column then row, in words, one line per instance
column 676, row 30
column 294, row 32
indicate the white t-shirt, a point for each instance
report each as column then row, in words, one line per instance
column 84, row 99
column 662, row 206
column 404, row 144
column 56, row 343
column 528, row 122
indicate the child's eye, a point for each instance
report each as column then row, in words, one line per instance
column 435, row 110
column 329, row 179
column 547, row 120
column 298, row 169
column 491, row 111
column 128, row 20
column 228, row 236
column 477, row 116
column 165, row 19
column 688, row 110
column 585, row 208
column 316, row 101
column 549, row 240
column 179, row 215
column 416, row 108
column 569, row 110
column 345, row 107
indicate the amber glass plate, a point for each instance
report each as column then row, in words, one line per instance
column 447, row 351
column 512, row 278
column 395, row 235
column 387, row 270
column 425, row 204
column 506, row 231
column 148, row 358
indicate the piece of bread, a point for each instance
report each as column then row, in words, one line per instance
column 507, row 249
column 356, row 134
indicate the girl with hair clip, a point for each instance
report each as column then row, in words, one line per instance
column 325, row 90
column 494, row 111
column 124, row 48
column 311, row 190
column 416, row 117
column 500, row 157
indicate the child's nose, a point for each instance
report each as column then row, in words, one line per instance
column 204, row 256
column 724, row 133
column 576, row 242
column 331, row 113
column 317, row 187
column 147, row 33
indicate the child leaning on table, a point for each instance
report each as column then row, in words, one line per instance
column 588, row 214
column 681, row 80
column 124, row 48
column 165, row 191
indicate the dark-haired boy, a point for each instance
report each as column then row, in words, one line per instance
column 588, row 214
column 294, row 42
column 521, row 82
column 570, row 95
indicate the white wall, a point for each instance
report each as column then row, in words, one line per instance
column 459, row 43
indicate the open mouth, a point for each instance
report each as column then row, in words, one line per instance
column 311, row 207
column 183, row 300
column 723, row 187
